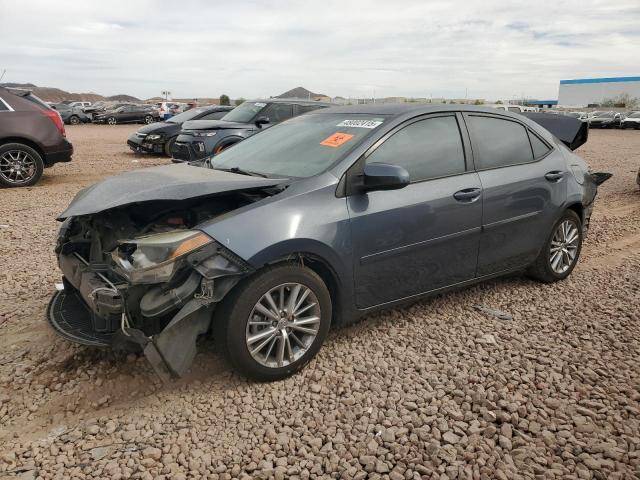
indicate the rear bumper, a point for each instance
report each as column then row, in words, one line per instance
column 59, row 153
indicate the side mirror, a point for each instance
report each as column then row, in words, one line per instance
column 382, row 176
column 262, row 121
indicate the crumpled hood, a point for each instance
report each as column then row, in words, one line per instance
column 211, row 125
column 167, row 182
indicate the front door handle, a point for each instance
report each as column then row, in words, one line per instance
column 467, row 194
column 554, row 176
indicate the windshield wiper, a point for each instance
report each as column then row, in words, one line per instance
column 242, row 172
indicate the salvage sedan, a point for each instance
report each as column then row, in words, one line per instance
column 315, row 222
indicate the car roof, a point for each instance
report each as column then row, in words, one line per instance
column 295, row 101
column 400, row 109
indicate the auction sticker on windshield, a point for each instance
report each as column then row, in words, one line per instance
column 359, row 123
column 336, row 139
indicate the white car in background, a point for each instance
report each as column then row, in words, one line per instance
column 513, row 108
column 631, row 121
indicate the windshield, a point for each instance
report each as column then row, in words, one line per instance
column 301, row 147
column 606, row 115
column 188, row 115
column 245, row 113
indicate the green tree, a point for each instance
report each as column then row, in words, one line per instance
column 239, row 101
column 499, row 102
column 478, row 102
column 224, row 100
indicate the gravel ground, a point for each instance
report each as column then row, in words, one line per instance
column 435, row 390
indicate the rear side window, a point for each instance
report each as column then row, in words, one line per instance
column 427, row 149
column 4, row 106
column 498, row 142
column 279, row 112
column 540, row 149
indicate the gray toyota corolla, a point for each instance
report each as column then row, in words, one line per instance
column 315, row 222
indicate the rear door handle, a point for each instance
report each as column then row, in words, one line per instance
column 554, row 176
column 467, row 194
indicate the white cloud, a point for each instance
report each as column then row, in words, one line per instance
column 490, row 49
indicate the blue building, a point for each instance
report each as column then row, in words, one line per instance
column 592, row 91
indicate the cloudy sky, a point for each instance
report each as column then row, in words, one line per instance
column 248, row 48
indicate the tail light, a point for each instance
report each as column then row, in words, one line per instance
column 57, row 120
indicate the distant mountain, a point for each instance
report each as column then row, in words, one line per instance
column 49, row 94
column 302, row 93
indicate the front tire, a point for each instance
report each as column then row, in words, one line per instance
column 20, row 165
column 273, row 323
column 168, row 146
column 560, row 254
column 74, row 120
column 112, row 120
column 148, row 119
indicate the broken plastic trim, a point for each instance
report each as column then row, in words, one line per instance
column 172, row 351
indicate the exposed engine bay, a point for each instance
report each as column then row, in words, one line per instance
column 146, row 277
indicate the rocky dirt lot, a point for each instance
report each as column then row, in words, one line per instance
column 437, row 390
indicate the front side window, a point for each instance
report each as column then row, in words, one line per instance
column 427, row 149
column 278, row 112
column 498, row 142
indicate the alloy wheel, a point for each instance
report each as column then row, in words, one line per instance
column 17, row 167
column 564, row 246
column 111, row 121
column 283, row 325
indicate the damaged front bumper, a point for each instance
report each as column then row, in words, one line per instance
column 98, row 309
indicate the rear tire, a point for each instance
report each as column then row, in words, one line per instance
column 233, row 333
column 558, row 257
column 20, row 165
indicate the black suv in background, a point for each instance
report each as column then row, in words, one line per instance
column 202, row 138
column 128, row 114
column 32, row 137
column 159, row 137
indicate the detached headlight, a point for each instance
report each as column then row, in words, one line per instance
column 153, row 137
column 155, row 258
column 204, row 134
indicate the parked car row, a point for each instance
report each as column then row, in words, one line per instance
column 607, row 119
column 73, row 113
column 207, row 131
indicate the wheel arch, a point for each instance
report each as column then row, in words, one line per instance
column 226, row 142
column 27, row 142
column 578, row 208
column 321, row 260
